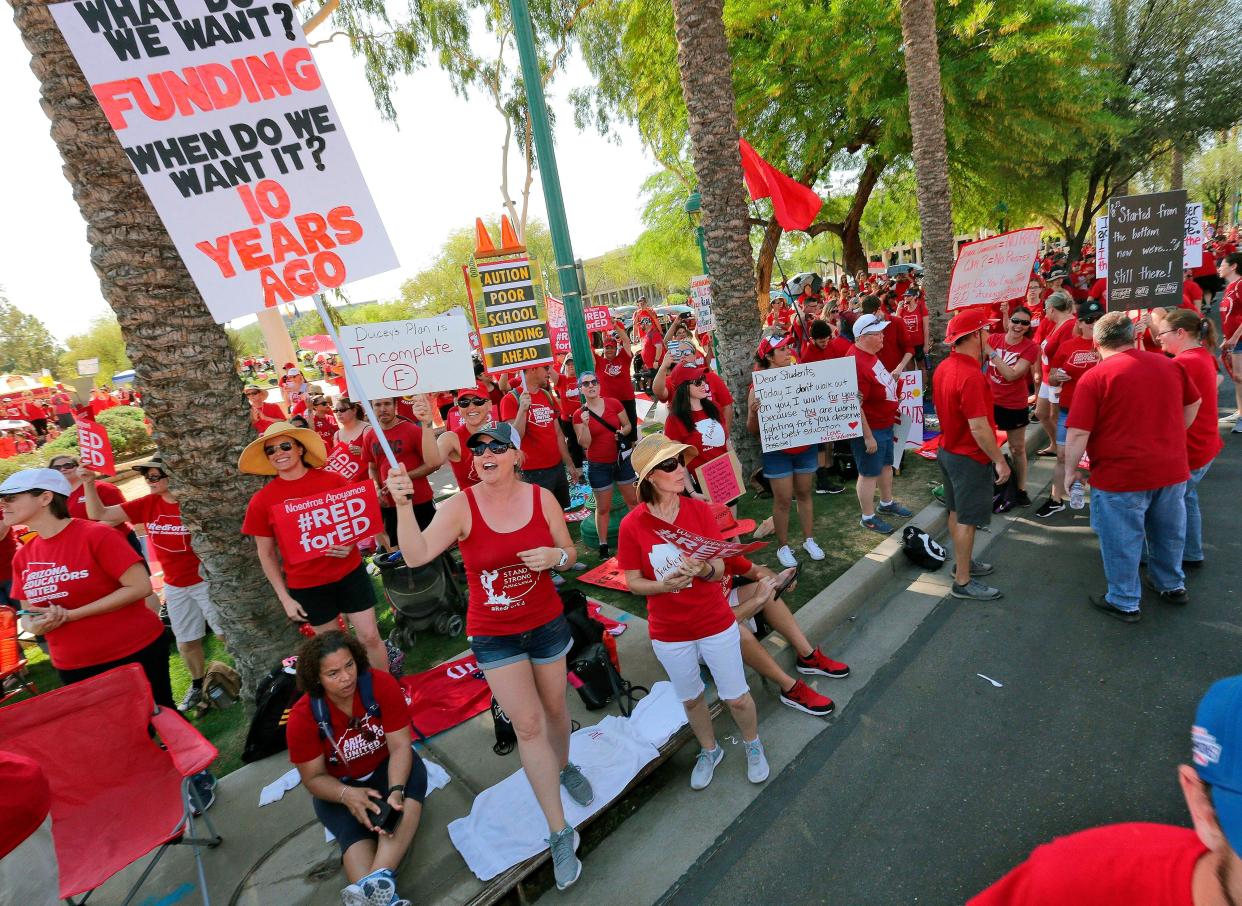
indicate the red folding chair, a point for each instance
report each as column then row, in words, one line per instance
column 14, row 677
column 117, row 793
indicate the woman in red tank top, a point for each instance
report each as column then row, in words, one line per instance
column 511, row 535
column 475, row 406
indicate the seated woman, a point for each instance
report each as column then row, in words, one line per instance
column 349, row 737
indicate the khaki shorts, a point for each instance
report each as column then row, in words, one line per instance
column 968, row 487
column 190, row 611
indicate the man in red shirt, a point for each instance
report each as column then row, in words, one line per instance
column 968, row 448
column 615, row 372
column 532, row 411
column 414, row 446
column 1130, row 414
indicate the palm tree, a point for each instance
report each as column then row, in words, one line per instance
column 706, row 67
column 183, row 360
column 931, row 158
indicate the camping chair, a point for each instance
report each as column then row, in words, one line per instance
column 14, row 677
column 117, row 793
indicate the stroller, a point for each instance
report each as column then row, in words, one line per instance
column 422, row 597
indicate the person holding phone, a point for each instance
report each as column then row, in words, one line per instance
column 349, row 738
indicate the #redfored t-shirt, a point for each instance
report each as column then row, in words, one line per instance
column 259, row 523
column 1131, row 403
column 80, row 564
column 406, row 440
column 169, row 536
column 603, row 447
column 878, row 390
column 1076, row 356
column 1006, row 393
column 614, row 375
column 1231, row 309
column 1203, row 440
column 961, row 393
column 692, row 613
column 361, row 739
column 707, row 436
column 539, row 446
column 109, row 495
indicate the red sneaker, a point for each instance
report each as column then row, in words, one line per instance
column 803, row 698
column 816, row 662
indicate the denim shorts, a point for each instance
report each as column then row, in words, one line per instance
column 541, row 645
column 871, row 465
column 782, row 465
column 1062, row 431
column 606, row 474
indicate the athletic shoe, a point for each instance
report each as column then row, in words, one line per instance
column 1049, row 507
column 893, row 508
column 705, row 767
column 824, row 483
column 974, row 590
column 787, row 558
column 205, row 785
column 817, row 662
column 1237, row 429
column 756, row 762
column 802, row 697
column 814, row 551
column 566, row 865
column 193, row 696
column 979, row 568
column 1099, row 602
column 1230, row 418
column 603, row 552
column 876, row 524
column 1176, row 596
column 1023, row 499
column 576, row 784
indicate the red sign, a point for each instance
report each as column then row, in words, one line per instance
column 721, row 478
column 94, row 448
column 607, row 575
column 597, row 318
column 343, row 462
column 308, row 526
column 696, row 547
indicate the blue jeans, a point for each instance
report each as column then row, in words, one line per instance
column 1194, row 521
column 1122, row 519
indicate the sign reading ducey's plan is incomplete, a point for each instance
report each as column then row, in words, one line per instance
column 308, row 526
column 1146, row 239
column 993, row 269
column 419, row 355
column 811, row 403
column 222, row 112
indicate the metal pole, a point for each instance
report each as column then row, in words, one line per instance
column 549, row 177
column 700, row 239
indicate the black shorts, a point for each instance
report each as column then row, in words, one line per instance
column 344, row 826
column 553, row 478
column 1210, row 284
column 920, row 353
column 353, row 593
column 1008, row 419
column 423, row 514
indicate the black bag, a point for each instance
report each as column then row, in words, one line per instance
column 921, row 549
column 585, row 629
column 506, row 736
column 276, row 695
column 624, row 446
column 601, row 683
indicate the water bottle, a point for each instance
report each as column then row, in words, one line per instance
column 1077, row 496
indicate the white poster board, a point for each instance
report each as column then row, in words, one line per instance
column 399, row 358
column 1101, row 247
column 1192, row 251
column 908, row 432
column 808, row 404
column 701, row 299
column 224, row 115
column 995, row 269
column 88, row 367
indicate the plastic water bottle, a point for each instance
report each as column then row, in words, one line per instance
column 1077, row 496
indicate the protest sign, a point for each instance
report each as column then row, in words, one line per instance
column 1101, row 247
column 607, row 575
column 694, row 546
column 1192, row 253
column 808, row 404
column 94, row 448
column 597, row 317
column 509, row 313
column 1146, row 241
column 88, row 367
column 343, row 462
column 995, row 269
column 557, row 326
column 308, row 526
column 643, row 405
column 701, row 299
column 721, row 478
column 876, row 268
column 418, row 355
column 909, row 430
column 224, row 115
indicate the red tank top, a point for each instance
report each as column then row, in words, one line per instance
column 505, row 597
column 462, row 469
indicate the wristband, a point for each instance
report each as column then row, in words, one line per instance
column 344, row 788
column 397, row 788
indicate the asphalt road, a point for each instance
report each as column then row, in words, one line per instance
column 934, row 783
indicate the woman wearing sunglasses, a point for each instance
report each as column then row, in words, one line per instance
column 688, row 616
column 345, row 449
column 694, row 420
column 475, row 405
column 598, row 424
column 333, row 584
column 511, row 535
column 1011, row 356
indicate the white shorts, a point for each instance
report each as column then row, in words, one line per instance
column 1050, row 393
column 190, row 610
column 722, row 653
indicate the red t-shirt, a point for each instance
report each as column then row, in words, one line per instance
column 833, row 349
column 82, row 563
column 895, row 346
column 1193, row 293
column 1098, row 288
column 707, row 436
column 359, row 738
column 911, row 322
column 1053, row 338
column 109, row 495
column 1203, row 440
column 259, row 523
column 653, row 345
column 1006, row 393
column 603, row 447
column 463, row 468
column 615, row 376
column 880, row 398
column 1132, row 405
column 326, row 427
column 27, row 799
column 1077, row 356
column 961, row 393
column 539, row 443
column 568, row 396
column 406, row 440
column 1117, row 865
column 169, row 536
column 718, row 390
column 8, row 547
column 269, row 413
column 33, row 411
column 1231, row 309
column 692, row 613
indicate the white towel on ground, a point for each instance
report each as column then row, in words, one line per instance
column 437, row 777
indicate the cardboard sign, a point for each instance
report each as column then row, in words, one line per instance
column 695, row 546
column 908, row 432
column 607, row 575
column 995, row 269
column 721, row 478
column 510, row 314
column 811, row 403
column 1192, row 253
column 1146, row 244
column 701, row 300
column 308, row 526
column 224, row 115
column 419, row 355
column 88, row 367
column 94, row 448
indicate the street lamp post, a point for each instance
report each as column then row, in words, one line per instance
column 694, row 211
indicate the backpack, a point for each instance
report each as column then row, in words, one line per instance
column 323, row 716
column 221, row 686
column 599, row 681
column 584, row 628
column 276, row 695
column 921, row 549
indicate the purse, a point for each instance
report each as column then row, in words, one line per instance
column 624, row 448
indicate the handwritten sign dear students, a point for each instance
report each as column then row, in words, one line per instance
column 509, row 314
column 222, row 112
column 308, row 526
column 397, row 358
column 1146, row 239
column 995, row 269
column 807, row 404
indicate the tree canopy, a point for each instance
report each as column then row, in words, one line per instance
column 26, row 345
column 102, row 340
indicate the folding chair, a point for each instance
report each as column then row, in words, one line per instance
column 14, row 677
column 117, row 792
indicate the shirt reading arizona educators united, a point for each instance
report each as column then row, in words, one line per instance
column 962, row 393
column 614, row 375
column 259, row 519
column 878, row 389
column 539, row 446
column 361, row 740
column 169, row 536
column 80, row 564
column 109, row 495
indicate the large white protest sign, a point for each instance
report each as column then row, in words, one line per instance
column 399, row 358
column 1101, row 246
column 908, row 432
column 222, row 112
column 995, row 269
column 701, row 299
column 1192, row 251
column 808, row 404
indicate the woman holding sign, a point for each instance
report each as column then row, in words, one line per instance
column 511, row 535
column 695, row 420
column 330, row 584
column 599, row 424
column 687, row 613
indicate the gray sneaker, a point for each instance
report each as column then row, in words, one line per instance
column 379, row 891
column 876, row 524
column 893, row 508
column 566, row 865
column 979, row 568
column 756, row 761
column 974, row 590
column 193, row 696
column 576, row 784
column 705, row 767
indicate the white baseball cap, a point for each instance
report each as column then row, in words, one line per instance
column 36, row 480
column 869, row 324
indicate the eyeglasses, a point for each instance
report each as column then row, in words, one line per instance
column 588, row 383
column 1170, row 330
column 495, row 446
column 66, row 467
column 284, row 446
column 669, row 465
column 152, row 479
column 467, row 401
column 698, row 382
column 1019, row 323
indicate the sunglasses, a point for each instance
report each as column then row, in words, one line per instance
column 346, row 409
column 152, row 479
column 1019, row 323
column 467, row 401
column 284, row 445
column 495, row 446
column 669, row 465
column 588, row 383
column 66, row 467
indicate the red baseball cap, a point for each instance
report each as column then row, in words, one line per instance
column 682, row 374
column 478, row 390
column 966, row 322
column 729, row 526
column 770, row 344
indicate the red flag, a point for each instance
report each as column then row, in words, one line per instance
column 794, row 204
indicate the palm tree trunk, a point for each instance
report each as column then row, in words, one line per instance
column 185, row 366
column 705, row 65
column 931, row 159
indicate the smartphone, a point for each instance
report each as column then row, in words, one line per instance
column 784, row 586
column 674, row 347
column 387, row 819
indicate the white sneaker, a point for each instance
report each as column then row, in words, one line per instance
column 813, row 549
column 1231, row 417
column 756, row 761
column 787, row 558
